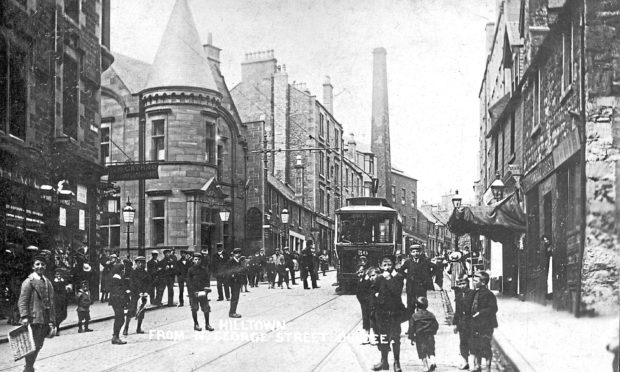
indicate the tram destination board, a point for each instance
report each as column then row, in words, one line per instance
column 133, row 171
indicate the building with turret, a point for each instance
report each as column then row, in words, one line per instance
column 176, row 116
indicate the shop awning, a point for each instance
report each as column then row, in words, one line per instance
column 498, row 222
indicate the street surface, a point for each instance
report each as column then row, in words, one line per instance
column 281, row 330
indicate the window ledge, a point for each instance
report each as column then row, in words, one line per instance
column 535, row 130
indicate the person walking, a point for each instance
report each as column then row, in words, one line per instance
column 389, row 310
column 198, row 283
column 324, row 262
column 118, row 300
column 483, row 321
column 220, row 260
column 462, row 317
column 235, row 277
column 36, row 308
column 422, row 330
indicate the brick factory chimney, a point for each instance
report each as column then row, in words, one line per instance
column 380, row 143
column 328, row 95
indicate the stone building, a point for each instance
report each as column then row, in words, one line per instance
column 178, row 116
column 562, row 109
column 52, row 54
column 404, row 198
column 301, row 144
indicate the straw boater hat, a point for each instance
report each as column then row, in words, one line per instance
column 455, row 256
column 86, row 267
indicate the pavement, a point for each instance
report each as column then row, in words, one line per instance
column 535, row 337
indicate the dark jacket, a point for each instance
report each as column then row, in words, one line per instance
column 168, row 267
column 182, row 266
column 220, row 260
column 388, row 292
column 418, row 275
column 198, row 278
column 307, row 259
column 485, row 304
column 139, row 281
column 235, row 271
column 118, row 291
column 83, row 300
column 423, row 324
column 462, row 307
column 364, row 292
column 154, row 268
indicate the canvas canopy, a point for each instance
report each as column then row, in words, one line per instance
column 498, row 222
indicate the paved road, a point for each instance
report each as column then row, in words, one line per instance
column 281, row 330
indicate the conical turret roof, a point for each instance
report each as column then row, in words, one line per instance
column 180, row 59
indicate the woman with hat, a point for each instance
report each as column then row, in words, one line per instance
column 36, row 307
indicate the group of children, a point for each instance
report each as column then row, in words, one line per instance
column 379, row 294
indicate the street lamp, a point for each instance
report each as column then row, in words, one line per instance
column 224, row 215
column 497, row 187
column 456, row 202
column 285, row 216
column 128, row 214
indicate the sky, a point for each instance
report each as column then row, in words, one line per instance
column 435, row 60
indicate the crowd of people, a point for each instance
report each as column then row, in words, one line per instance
column 379, row 292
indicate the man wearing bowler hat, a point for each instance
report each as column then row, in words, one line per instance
column 235, row 278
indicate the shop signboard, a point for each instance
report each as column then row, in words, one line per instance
column 132, row 171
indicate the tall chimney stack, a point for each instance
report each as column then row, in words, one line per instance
column 380, row 133
column 328, row 95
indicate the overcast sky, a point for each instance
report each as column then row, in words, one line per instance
column 435, row 60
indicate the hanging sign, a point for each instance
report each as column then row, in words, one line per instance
column 132, row 171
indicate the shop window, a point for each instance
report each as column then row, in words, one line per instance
column 70, row 97
column 13, row 90
column 158, row 222
column 158, row 139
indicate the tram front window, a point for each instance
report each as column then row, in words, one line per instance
column 359, row 228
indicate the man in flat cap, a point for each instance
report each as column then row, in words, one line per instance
column 153, row 267
column 417, row 270
column 198, row 282
column 235, row 278
column 36, row 307
column 168, row 273
column 139, row 282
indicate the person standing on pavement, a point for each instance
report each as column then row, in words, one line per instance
column 365, row 297
column 138, row 285
column 417, row 270
column 462, row 317
column 62, row 289
column 153, row 268
column 281, row 269
column 118, row 300
column 220, row 260
column 290, row 264
column 389, row 310
column 182, row 265
column 271, row 272
column 324, row 262
column 167, row 274
column 36, row 308
column 84, row 301
column 235, row 277
column 307, row 266
column 483, row 321
column 198, row 283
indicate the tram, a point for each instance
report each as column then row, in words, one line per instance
column 366, row 229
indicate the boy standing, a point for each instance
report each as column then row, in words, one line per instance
column 83, row 306
column 388, row 313
column 422, row 330
column 483, row 321
column 462, row 317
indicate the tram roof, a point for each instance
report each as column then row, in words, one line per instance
column 365, row 208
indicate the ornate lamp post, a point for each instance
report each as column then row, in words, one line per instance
column 129, row 213
column 285, row 217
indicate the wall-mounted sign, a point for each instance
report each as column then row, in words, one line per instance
column 81, row 193
column 62, row 216
column 82, row 220
column 540, row 171
column 133, row 171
